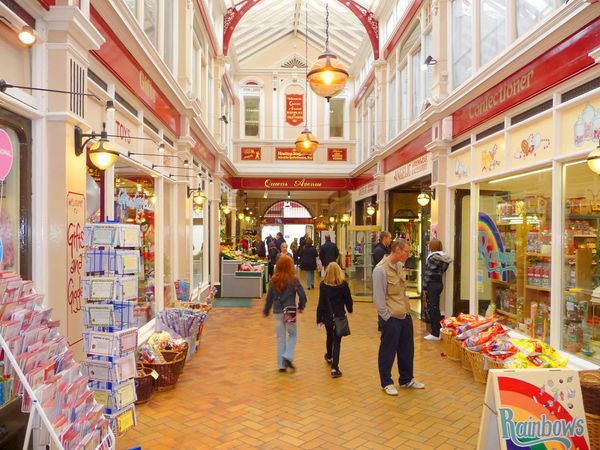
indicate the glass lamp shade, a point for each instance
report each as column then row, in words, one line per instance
column 226, row 210
column 27, row 35
column 327, row 76
column 199, row 200
column 593, row 160
column 423, row 199
column 103, row 154
column 241, row 215
column 306, row 142
column 370, row 210
column 345, row 218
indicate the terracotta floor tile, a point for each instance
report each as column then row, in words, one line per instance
column 232, row 396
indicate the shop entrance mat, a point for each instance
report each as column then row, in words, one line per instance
column 233, row 303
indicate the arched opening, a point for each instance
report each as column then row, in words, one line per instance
column 289, row 217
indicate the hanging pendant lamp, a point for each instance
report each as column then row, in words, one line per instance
column 327, row 76
column 306, row 142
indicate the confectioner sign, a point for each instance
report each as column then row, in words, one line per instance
column 294, row 109
column 540, row 408
column 490, row 249
column 250, row 153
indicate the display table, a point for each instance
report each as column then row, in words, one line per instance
column 240, row 284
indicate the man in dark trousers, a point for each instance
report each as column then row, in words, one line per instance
column 329, row 252
column 258, row 247
column 280, row 240
column 382, row 248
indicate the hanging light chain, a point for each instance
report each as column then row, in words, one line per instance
column 326, row 26
column 306, row 71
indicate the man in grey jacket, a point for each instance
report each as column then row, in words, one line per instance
column 393, row 307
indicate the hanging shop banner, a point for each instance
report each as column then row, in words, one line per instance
column 208, row 159
column 294, row 109
column 531, row 409
column 568, row 58
column 290, row 154
column 416, row 168
column 297, row 184
column 75, row 255
column 337, row 154
column 408, row 152
column 250, row 153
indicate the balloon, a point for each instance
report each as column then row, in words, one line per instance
column 92, row 204
column 6, row 154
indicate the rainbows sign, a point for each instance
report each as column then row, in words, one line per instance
column 536, row 410
column 491, row 250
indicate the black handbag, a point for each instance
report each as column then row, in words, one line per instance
column 341, row 326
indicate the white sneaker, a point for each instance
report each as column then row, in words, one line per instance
column 431, row 337
column 413, row 384
column 390, row 389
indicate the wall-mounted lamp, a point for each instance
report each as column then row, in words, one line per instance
column 226, row 210
column 289, row 195
column 27, row 36
column 331, row 219
column 110, row 106
column 223, row 118
column 241, row 215
column 593, row 160
column 185, row 166
column 102, row 153
column 4, row 86
column 429, row 61
column 345, row 218
column 129, row 154
column 371, row 209
column 190, row 191
column 425, row 196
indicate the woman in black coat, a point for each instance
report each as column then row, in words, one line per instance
column 308, row 262
column 334, row 300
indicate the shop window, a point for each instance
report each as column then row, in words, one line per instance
column 251, row 116
column 580, row 309
column 428, row 50
column 391, row 98
column 462, row 65
column 530, row 12
column 198, row 245
column 169, row 38
column 151, row 20
column 404, row 120
column 514, row 251
column 336, row 117
column 492, row 22
column 417, row 85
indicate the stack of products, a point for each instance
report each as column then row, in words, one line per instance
column 183, row 322
column 112, row 264
column 164, row 355
column 47, row 369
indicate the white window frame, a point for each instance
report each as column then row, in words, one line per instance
column 252, row 91
column 345, row 115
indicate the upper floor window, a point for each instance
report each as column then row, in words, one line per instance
column 391, row 98
column 336, row 117
column 530, row 12
column 461, row 42
column 151, row 20
column 492, row 23
column 251, row 116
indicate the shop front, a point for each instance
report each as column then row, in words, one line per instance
column 526, row 216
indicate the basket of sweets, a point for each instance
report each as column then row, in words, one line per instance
column 145, row 384
column 168, row 372
column 480, row 370
column 170, row 351
column 465, row 362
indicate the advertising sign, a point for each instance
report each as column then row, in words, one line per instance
column 337, row 154
column 290, row 154
column 75, row 255
column 533, row 409
column 250, row 153
column 294, row 109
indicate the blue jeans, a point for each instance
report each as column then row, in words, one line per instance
column 286, row 345
column 396, row 342
column 310, row 278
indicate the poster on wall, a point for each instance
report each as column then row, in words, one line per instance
column 337, row 154
column 290, row 154
column 251, row 153
column 533, row 409
column 75, row 256
column 294, row 109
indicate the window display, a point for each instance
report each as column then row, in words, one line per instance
column 514, row 251
column 581, row 274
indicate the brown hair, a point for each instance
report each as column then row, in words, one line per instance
column 284, row 273
column 399, row 243
column 334, row 276
column 435, row 245
column 308, row 241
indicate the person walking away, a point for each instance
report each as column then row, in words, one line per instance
column 328, row 252
column 436, row 264
column 294, row 249
column 334, row 300
column 393, row 308
column 280, row 240
column 308, row 262
column 272, row 255
column 284, row 251
column 258, row 247
column 382, row 248
column 269, row 239
column 283, row 289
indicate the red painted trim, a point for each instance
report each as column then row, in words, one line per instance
column 563, row 61
column 409, row 15
column 229, row 87
column 203, row 154
column 410, row 151
column 293, row 184
column 366, row 177
column 121, row 63
column 209, row 29
column 365, row 87
column 47, row 4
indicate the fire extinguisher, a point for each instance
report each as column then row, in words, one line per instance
column 347, row 261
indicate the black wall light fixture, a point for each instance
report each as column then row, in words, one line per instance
column 429, row 61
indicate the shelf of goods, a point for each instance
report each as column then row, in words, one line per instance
column 112, row 266
column 39, row 377
column 241, row 279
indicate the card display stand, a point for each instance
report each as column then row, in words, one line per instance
column 112, row 265
column 39, row 375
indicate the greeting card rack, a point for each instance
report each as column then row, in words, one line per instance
column 112, row 266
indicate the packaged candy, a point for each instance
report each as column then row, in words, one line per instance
column 500, row 347
column 472, row 328
column 478, row 341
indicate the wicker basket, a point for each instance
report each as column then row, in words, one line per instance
column 590, row 390
column 446, row 336
column 465, row 362
column 593, row 425
column 494, row 363
column 168, row 372
column 453, row 352
column 480, row 371
column 145, row 385
column 170, row 355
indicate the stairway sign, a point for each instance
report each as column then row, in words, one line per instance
column 533, row 409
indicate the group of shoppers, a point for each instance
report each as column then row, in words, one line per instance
column 335, row 299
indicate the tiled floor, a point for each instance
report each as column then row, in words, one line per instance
column 232, row 396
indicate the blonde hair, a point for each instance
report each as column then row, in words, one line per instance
column 334, row 275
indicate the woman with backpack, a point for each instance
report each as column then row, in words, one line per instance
column 334, row 300
column 283, row 288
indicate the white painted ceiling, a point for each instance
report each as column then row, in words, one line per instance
column 270, row 20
